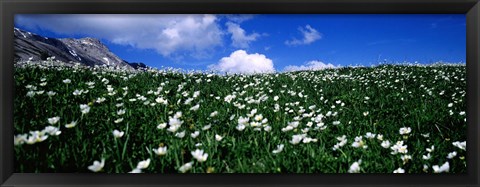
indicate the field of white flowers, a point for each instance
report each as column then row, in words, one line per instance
column 383, row 119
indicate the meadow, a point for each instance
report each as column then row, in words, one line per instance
column 382, row 119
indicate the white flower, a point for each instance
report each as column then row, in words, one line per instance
column 110, row 89
column 308, row 140
column 431, row 149
column 255, row 124
column 342, row 141
column 90, row 83
column 161, row 125
column 450, row 104
column 258, row 117
column 243, row 120
column 160, row 151
column 370, row 135
column 405, row 130
column 36, row 136
column 51, row 93
column 365, row 113
column 180, row 134
column 195, row 134
column 118, row 120
column 53, row 120
column 342, row 138
column 425, row 167
column 462, row 113
column 30, row 93
column 206, row 127
column 143, row 164
column 185, row 167
column 77, row 92
column 336, row 123
column 359, row 142
column 399, row 148
column 288, row 128
column 427, row 157
column 399, row 170
column 229, row 98
column 294, row 124
column 452, row 155
column 173, row 128
column 444, row 168
column 252, row 113
column 297, row 138
column 160, row 100
column 20, row 139
column 188, row 101
column 100, row 100
column 213, row 114
column 385, row 144
column 121, row 112
column 67, row 81
column 240, row 127
column 71, row 124
column 218, row 137
column 279, row 149
column 117, row 133
column 196, row 94
column 199, row 155
column 460, row 145
column 355, row 167
column 275, row 98
column 136, row 170
column 195, row 108
column 405, row 158
column 97, row 166
column 84, row 108
column 54, row 131
column 426, row 135
column 175, row 122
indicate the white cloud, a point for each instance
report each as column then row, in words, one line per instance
column 312, row 65
column 170, row 35
column 239, row 18
column 310, row 35
column 239, row 38
column 242, row 62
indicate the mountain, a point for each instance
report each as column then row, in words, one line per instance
column 137, row 65
column 87, row 51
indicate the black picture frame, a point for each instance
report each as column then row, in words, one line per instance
column 9, row 8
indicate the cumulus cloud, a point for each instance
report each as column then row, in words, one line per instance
column 169, row 35
column 242, row 62
column 239, row 38
column 312, row 65
column 310, row 35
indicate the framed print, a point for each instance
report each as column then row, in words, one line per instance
column 153, row 93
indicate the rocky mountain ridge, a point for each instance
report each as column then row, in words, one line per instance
column 86, row 51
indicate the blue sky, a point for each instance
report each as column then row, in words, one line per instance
column 264, row 43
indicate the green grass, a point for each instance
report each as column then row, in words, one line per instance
column 396, row 99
